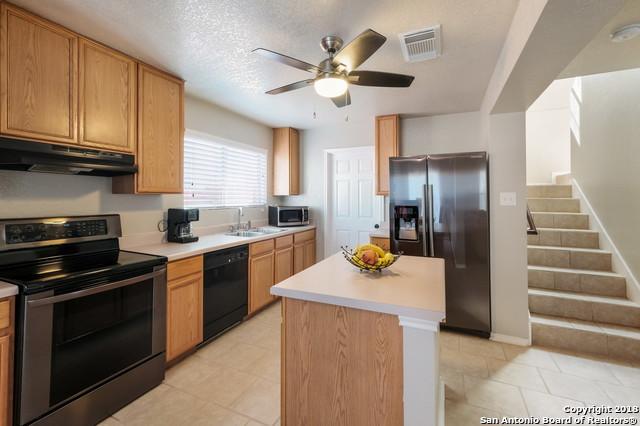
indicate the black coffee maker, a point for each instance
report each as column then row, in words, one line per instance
column 179, row 225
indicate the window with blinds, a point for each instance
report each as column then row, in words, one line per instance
column 219, row 173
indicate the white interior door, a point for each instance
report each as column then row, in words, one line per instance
column 353, row 208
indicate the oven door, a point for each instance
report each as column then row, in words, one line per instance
column 291, row 216
column 75, row 341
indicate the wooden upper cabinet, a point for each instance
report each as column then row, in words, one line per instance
column 38, row 83
column 160, row 135
column 387, row 145
column 107, row 98
column 286, row 161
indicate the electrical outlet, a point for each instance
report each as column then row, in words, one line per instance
column 508, row 199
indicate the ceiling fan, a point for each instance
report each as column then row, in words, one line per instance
column 334, row 74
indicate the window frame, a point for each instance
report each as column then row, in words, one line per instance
column 209, row 138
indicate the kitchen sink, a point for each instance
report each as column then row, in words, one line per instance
column 268, row 230
column 247, row 234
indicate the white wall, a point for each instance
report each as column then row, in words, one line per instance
column 548, row 136
column 313, row 143
column 606, row 163
column 34, row 194
column 442, row 134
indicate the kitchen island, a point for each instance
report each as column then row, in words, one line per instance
column 361, row 348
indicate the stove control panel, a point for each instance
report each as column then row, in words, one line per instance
column 19, row 233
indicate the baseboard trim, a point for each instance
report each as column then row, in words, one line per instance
column 512, row 340
column 618, row 263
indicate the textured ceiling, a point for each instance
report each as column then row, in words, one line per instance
column 208, row 43
column 602, row 55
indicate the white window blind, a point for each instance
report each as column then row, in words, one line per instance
column 219, row 173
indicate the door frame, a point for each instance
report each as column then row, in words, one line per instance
column 326, row 200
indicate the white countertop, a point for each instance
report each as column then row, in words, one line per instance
column 412, row 287
column 7, row 290
column 208, row 243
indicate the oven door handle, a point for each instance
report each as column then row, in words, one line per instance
column 95, row 290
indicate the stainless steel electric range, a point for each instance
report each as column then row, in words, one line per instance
column 90, row 334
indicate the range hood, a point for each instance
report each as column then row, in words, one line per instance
column 49, row 158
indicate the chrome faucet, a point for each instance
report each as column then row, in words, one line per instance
column 240, row 214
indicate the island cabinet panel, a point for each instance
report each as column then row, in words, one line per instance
column 362, row 350
column 184, row 306
column 107, row 98
column 38, row 78
column 387, row 145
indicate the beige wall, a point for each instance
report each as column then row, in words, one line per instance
column 606, row 163
column 548, row 139
column 442, row 134
column 34, row 194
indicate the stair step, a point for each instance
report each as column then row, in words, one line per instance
column 569, row 257
column 549, row 191
column 586, row 337
column 602, row 309
column 570, row 205
column 578, row 280
column 580, row 238
column 562, row 220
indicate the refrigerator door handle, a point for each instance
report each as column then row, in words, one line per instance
column 424, row 216
column 430, row 195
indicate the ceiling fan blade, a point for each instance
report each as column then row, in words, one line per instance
column 379, row 79
column 342, row 100
column 290, row 87
column 359, row 49
column 287, row 60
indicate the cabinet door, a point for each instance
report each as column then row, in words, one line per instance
column 184, row 315
column 283, row 264
column 107, row 98
column 5, row 373
column 298, row 258
column 260, row 280
column 38, row 78
column 387, row 138
column 309, row 253
column 160, row 132
column 286, row 161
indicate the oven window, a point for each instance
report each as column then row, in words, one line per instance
column 99, row 335
column 291, row 216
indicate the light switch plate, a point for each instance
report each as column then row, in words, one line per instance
column 507, row 198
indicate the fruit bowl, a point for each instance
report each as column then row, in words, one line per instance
column 355, row 257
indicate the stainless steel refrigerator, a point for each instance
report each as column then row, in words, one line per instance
column 439, row 207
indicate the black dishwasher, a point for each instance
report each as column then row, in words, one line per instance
column 225, row 289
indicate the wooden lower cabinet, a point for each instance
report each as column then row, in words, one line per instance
column 304, row 250
column 184, row 306
column 283, row 264
column 260, row 281
column 382, row 242
column 6, row 359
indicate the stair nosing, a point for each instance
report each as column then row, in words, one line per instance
column 579, row 249
column 553, row 198
column 568, row 323
column 568, row 230
column 576, row 213
column 584, row 297
column 576, row 271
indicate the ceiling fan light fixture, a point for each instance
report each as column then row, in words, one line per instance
column 330, row 86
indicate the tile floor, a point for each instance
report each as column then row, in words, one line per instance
column 235, row 381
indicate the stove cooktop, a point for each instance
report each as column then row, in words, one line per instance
column 70, row 265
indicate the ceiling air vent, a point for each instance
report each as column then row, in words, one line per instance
column 420, row 45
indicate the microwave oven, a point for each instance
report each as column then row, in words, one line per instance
column 288, row 216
